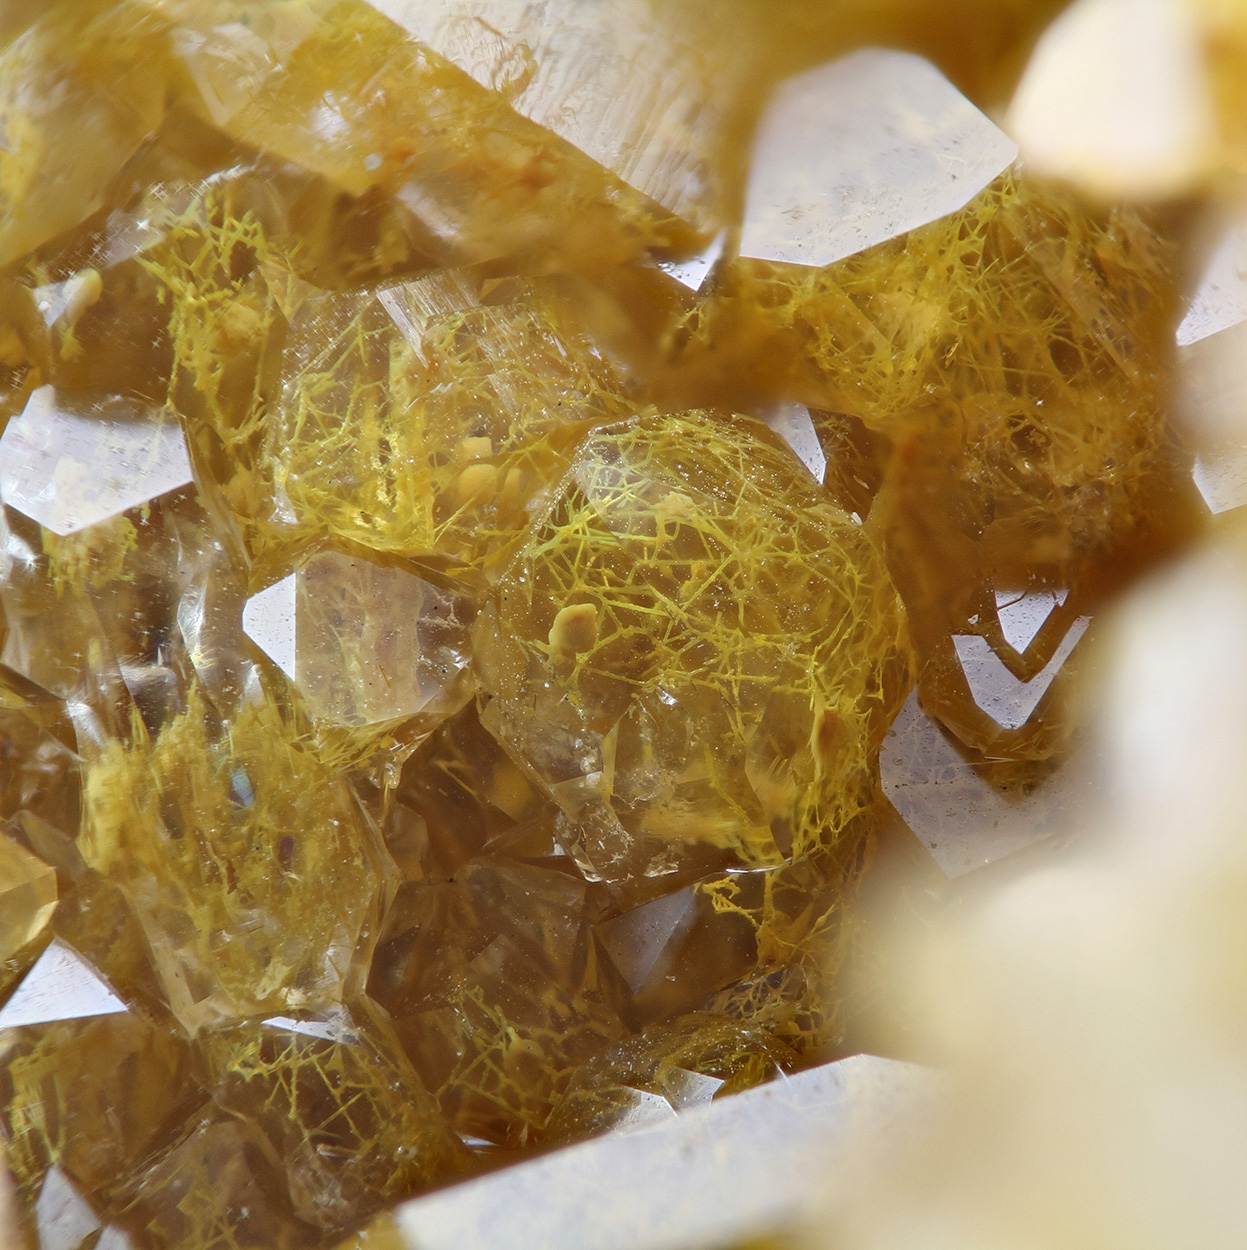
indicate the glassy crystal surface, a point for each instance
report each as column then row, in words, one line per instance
column 501, row 505
column 364, row 643
column 613, row 80
column 69, row 470
column 28, row 894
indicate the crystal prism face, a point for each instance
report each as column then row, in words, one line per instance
column 1220, row 300
column 27, row 898
column 612, row 79
column 424, row 417
column 861, row 150
column 71, row 469
column 679, row 653
column 62, row 1216
column 364, row 643
column 959, row 815
column 61, row 986
column 1007, row 699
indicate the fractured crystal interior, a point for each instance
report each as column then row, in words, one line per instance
column 510, row 515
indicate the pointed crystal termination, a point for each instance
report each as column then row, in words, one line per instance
column 70, row 469
column 364, row 643
column 859, row 151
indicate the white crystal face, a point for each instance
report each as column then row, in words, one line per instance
column 364, row 643
column 1022, row 614
column 1115, row 97
column 1009, row 701
column 608, row 77
column 69, row 470
column 859, row 151
column 793, row 423
column 963, row 820
column 1220, row 300
column 1212, row 372
column 63, row 1219
column 60, row 986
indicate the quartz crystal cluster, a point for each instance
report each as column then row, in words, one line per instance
column 507, row 509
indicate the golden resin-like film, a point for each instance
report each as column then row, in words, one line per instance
column 480, row 618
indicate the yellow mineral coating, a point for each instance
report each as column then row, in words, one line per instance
column 254, row 876
column 339, row 1105
column 59, row 1104
column 999, row 378
column 737, row 614
column 421, row 419
column 1019, row 342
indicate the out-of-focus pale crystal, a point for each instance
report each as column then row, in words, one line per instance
column 1115, row 98
column 364, row 643
column 68, row 468
column 610, row 77
column 859, row 151
column 1212, row 372
column 27, row 896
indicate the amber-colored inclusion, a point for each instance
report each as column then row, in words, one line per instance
column 435, row 723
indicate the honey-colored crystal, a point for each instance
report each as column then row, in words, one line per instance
column 744, row 650
column 439, row 719
column 254, row 876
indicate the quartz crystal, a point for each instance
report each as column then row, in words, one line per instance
column 515, row 518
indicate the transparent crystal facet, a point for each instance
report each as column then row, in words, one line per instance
column 69, row 470
column 364, row 643
column 859, row 151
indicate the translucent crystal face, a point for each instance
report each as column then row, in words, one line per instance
column 364, row 643
column 479, row 482
column 72, row 469
column 856, row 152
column 598, row 77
